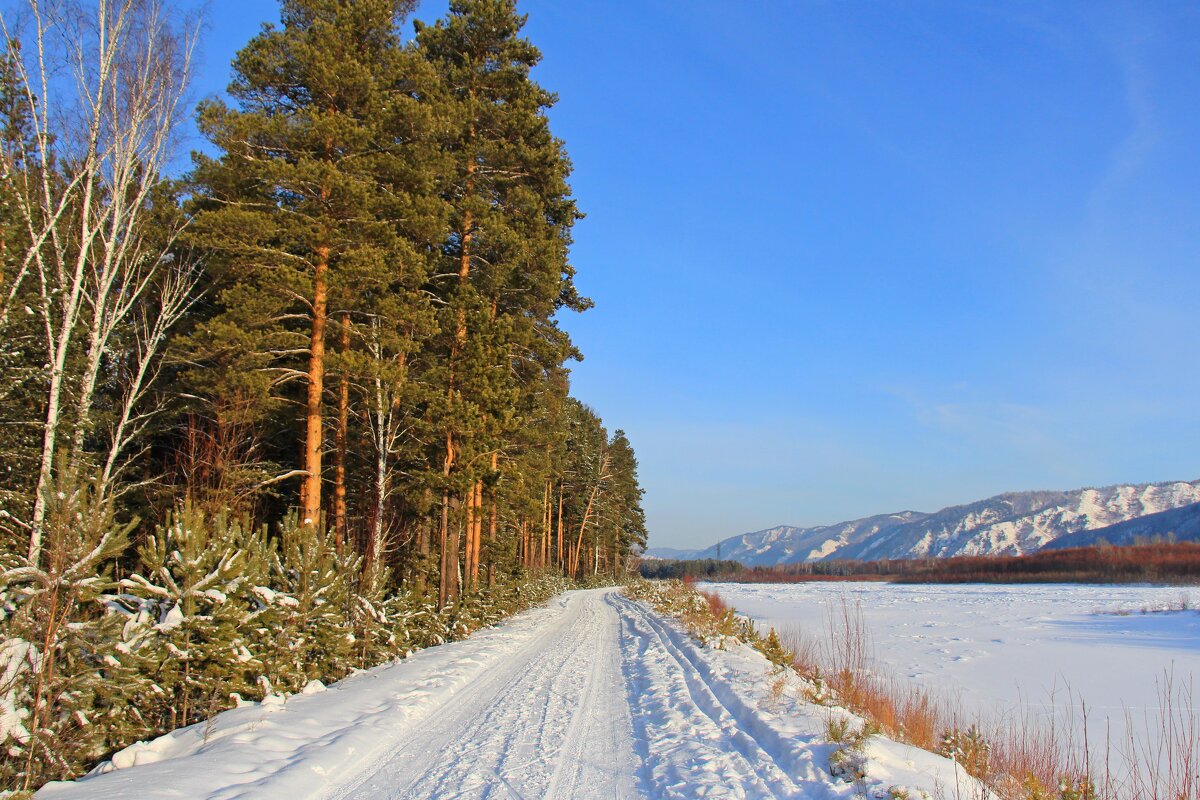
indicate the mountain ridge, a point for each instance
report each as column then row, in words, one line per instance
column 1010, row 523
column 1180, row 524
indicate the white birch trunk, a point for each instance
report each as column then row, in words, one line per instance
column 109, row 122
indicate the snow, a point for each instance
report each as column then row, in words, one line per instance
column 16, row 655
column 1013, row 523
column 172, row 619
column 725, row 721
column 1010, row 650
column 592, row 696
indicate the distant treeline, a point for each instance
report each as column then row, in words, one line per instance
column 707, row 568
column 1141, row 563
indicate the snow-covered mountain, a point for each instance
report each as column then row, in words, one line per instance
column 1007, row 524
column 1181, row 524
column 668, row 554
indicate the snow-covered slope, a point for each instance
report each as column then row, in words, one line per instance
column 1179, row 524
column 785, row 544
column 1007, row 524
column 668, row 553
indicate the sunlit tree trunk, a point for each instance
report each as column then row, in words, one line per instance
column 587, row 513
column 314, row 428
column 341, row 434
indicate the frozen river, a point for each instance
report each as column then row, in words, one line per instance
column 1010, row 649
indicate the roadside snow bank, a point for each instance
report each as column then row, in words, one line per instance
column 772, row 705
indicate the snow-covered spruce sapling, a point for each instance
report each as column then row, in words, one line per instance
column 416, row 620
column 1066, row 788
column 200, row 612
column 770, row 646
column 314, row 633
column 66, row 689
column 905, row 793
column 970, row 749
column 848, row 761
column 374, row 616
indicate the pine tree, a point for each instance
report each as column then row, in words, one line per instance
column 511, row 214
column 314, row 637
column 622, row 526
column 307, row 206
column 374, row 617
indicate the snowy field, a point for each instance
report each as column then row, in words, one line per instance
column 1008, row 649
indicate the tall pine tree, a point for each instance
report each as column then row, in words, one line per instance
column 506, row 257
column 308, row 207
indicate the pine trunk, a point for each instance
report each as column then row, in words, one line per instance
column 493, row 522
column 314, row 423
column 546, row 524
column 340, row 436
column 477, row 544
column 492, row 519
column 587, row 515
column 474, row 528
column 444, row 542
column 450, row 541
column 561, row 562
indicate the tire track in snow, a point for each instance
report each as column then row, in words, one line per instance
column 768, row 766
column 507, row 745
column 541, row 725
column 690, row 749
column 593, row 739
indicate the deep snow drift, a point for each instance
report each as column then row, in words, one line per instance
column 593, row 696
column 1013, row 649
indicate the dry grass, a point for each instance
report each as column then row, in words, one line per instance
column 716, row 606
column 843, row 661
column 777, row 692
column 1163, row 763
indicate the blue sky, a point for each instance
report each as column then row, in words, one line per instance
column 851, row 258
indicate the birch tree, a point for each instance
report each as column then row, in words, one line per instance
column 98, row 86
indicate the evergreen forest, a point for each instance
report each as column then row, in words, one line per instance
column 300, row 405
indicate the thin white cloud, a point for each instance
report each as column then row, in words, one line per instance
column 1135, row 149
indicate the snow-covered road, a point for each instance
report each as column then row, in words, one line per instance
column 594, row 696
column 548, row 721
